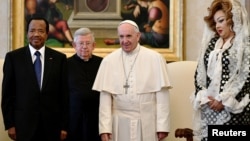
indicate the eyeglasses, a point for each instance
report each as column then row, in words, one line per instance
column 87, row 44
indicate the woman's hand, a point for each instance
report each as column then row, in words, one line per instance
column 215, row 104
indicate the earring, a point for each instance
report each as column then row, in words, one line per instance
column 231, row 28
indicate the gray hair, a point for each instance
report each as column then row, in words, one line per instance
column 83, row 32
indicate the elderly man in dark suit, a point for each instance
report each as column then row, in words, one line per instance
column 35, row 108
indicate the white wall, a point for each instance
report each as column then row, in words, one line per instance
column 5, row 27
column 194, row 11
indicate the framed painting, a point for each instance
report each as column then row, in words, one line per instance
column 102, row 17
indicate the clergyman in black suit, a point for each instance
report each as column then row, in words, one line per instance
column 32, row 112
column 84, row 102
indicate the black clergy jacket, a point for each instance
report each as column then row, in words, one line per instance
column 84, row 102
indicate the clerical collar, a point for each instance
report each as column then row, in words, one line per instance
column 80, row 59
column 133, row 52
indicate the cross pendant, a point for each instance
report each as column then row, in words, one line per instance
column 126, row 86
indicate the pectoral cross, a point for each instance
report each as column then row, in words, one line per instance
column 126, row 86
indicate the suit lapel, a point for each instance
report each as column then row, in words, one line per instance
column 48, row 60
column 29, row 65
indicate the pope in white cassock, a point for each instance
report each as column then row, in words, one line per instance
column 133, row 82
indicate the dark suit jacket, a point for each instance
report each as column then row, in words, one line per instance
column 24, row 105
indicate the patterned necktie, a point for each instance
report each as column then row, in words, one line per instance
column 38, row 67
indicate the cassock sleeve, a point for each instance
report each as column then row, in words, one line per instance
column 105, row 113
column 163, row 109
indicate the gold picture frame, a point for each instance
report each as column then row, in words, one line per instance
column 173, row 53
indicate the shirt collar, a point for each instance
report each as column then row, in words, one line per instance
column 33, row 50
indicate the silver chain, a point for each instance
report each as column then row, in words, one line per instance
column 126, row 86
